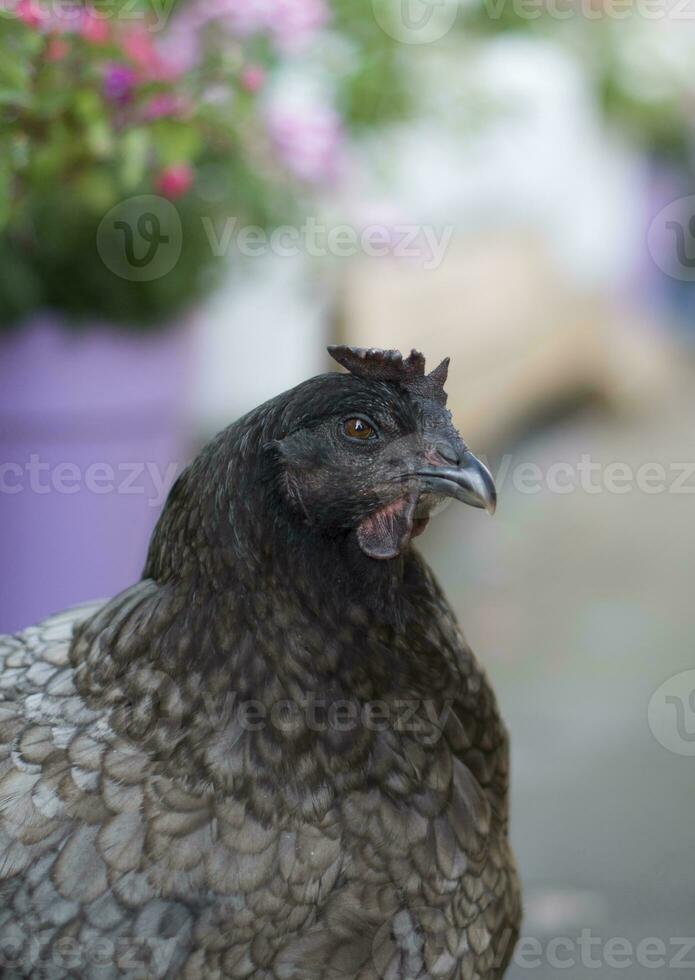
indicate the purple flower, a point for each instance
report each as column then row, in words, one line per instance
column 294, row 22
column 180, row 45
column 119, row 82
column 290, row 24
column 308, row 140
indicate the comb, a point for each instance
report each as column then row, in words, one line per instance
column 374, row 364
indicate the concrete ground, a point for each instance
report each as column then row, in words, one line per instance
column 581, row 604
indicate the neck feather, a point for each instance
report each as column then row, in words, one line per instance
column 241, row 604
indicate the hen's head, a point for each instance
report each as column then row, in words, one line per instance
column 342, row 466
column 373, row 452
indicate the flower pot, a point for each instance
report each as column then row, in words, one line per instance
column 92, row 434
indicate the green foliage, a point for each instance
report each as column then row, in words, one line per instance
column 375, row 90
column 92, row 114
column 50, row 261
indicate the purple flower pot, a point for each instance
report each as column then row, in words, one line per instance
column 92, row 434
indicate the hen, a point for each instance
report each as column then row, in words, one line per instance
column 274, row 757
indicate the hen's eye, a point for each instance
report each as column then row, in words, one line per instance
column 358, row 429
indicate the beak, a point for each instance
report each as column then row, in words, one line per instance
column 470, row 481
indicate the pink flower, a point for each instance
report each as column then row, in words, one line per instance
column 165, row 104
column 29, row 12
column 308, row 140
column 136, row 43
column 94, row 29
column 56, row 49
column 252, row 78
column 138, row 47
column 174, row 181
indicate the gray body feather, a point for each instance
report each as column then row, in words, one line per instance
column 111, row 867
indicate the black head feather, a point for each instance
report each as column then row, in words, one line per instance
column 374, row 364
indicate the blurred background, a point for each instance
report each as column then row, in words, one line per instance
column 195, row 198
